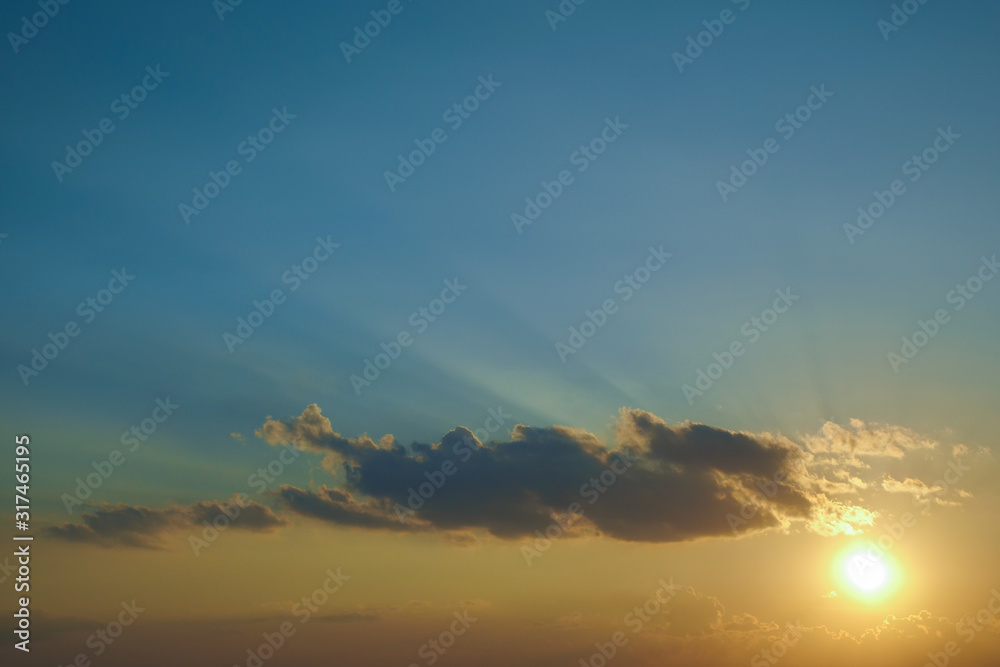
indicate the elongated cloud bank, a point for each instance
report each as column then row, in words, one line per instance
column 663, row 483
column 142, row 527
column 660, row 483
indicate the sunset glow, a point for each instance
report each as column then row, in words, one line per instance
column 533, row 333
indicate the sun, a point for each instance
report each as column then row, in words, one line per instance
column 866, row 574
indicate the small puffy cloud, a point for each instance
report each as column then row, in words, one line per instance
column 909, row 485
column 852, row 445
column 831, row 517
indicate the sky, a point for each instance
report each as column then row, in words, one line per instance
column 724, row 269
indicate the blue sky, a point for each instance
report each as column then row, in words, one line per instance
column 656, row 185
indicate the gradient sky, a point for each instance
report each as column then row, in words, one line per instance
column 823, row 364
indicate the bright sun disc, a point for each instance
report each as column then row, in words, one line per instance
column 866, row 573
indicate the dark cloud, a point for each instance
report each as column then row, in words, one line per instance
column 661, row 482
column 664, row 482
column 121, row 525
column 252, row 516
column 141, row 527
column 339, row 507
